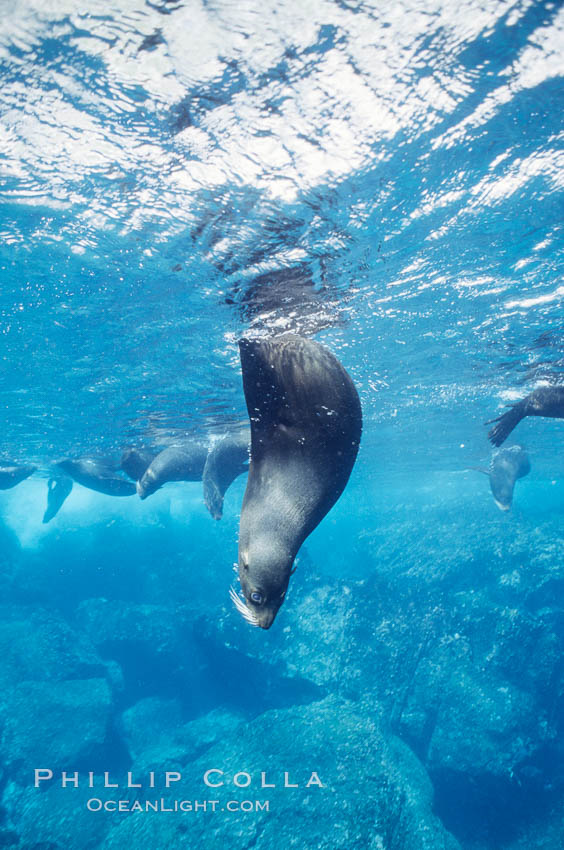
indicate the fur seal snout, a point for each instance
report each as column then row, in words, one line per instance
column 306, row 423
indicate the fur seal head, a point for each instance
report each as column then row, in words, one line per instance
column 306, row 423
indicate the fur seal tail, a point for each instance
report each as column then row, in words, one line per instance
column 506, row 423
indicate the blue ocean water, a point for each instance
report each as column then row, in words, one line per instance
column 386, row 178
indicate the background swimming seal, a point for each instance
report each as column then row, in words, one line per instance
column 58, row 488
column 11, row 475
column 134, row 461
column 306, row 423
column 176, row 463
column 507, row 466
column 546, row 401
column 97, row 474
column 227, row 458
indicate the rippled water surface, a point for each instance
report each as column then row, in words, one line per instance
column 387, row 176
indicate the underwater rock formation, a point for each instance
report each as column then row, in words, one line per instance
column 54, row 723
column 159, row 739
column 375, row 793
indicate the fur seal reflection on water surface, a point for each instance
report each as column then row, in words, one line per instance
column 546, row 401
column 306, row 423
column 97, row 474
column 58, row 488
column 506, row 467
column 11, row 475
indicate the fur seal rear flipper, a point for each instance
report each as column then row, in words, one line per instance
column 58, row 488
column 227, row 459
column 506, row 467
column 306, row 423
column 11, row 475
column 546, row 401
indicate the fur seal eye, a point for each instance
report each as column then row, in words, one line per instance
column 257, row 597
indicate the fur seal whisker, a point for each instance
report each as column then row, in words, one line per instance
column 242, row 608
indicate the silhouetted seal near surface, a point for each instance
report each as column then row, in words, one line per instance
column 546, row 401
column 134, row 461
column 507, row 466
column 97, row 474
column 227, row 458
column 11, row 475
column 306, row 423
column 176, row 463
column 58, row 488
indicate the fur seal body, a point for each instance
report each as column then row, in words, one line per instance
column 546, row 401
column 227, row 459
column 134, row 462
column 11, row 475
column 306, row 423
column 506, row 467
column 176, row 463
column 58, row 488
column 97, row 474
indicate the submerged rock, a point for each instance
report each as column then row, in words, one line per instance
column 375, row 794
column 39, row 645
column 55, row 818
column 155, row 725
column 54, row 724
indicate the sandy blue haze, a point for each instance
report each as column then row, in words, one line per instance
column 386, row 177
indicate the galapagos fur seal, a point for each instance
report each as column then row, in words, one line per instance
column 11, row 474
column 306, row 423
column 507, row 465
column 176, row 463
column 97, row 474
column 58, row 488
column 546, row 401
column 227, row 458
column 134, row 461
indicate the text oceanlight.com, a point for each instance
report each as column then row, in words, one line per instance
column 95, row 804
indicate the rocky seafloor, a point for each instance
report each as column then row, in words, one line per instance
column 422, row 683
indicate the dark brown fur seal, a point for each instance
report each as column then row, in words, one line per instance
column 306, row 423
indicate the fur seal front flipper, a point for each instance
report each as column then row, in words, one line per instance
column 546, row 401
column 306, row 423
column 11, row 475
column 227, row 459
column 58, row 488
column 506, row 467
